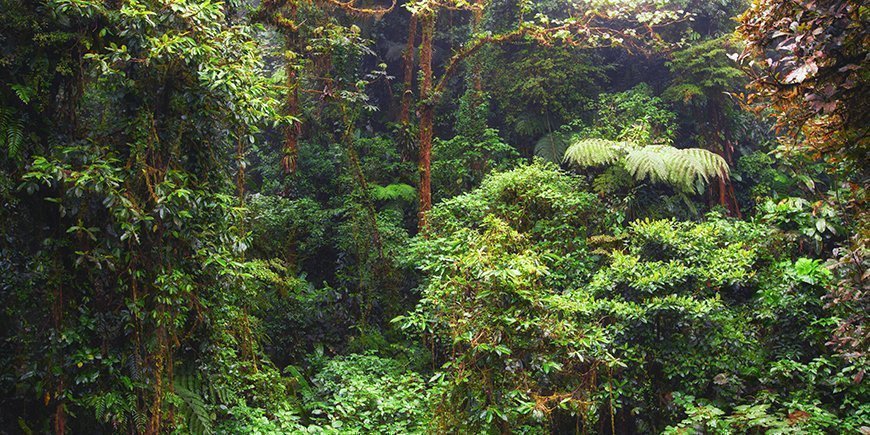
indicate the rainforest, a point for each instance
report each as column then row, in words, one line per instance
column 434, row 217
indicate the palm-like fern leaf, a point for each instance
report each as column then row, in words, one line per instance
column 11, row 132
column 694, row 168
column 596, row 152
column 686, row 169
column 394, row 192
column 650, row 163
column 193, row 406
column 552, row 146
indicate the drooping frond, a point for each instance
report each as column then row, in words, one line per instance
column 649, row 163
column 11, row 132
column 596, row 152
column 394, row 192
column 696, row 167
column 193, row 407
column 552, row 146
column 686, row 169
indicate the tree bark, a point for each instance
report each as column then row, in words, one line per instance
column 727, row 198
column 291, row 131
column 427, row 118
column 476, row 69
column 59, row 407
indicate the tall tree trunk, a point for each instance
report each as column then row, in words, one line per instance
column 408, row 92
column 727, row 198
column 427, row 118
column 362, row 183
column 731, row 198
column 59, row 407
column 240, row 159
column 476, row 69
column 294, row 130
column 158, row 366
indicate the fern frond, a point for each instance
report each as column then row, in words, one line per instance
column 11, row 132
column 596, row 152
column 685, row 169
column 193, row 407
column 552, row 146
column 140, row 419
column 24, row 93
column 394, row 192
column 695, row 168
column 708, row 165
column 649, row 162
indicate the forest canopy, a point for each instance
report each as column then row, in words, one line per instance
column 421, row 216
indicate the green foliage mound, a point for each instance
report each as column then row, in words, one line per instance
column 371, row 394
column 542, row 324
column 492, row 258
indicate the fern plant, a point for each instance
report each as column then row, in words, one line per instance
column 552, row 146
column 394, row 192
column 11, row 132
column 117, row 408
column 196, row 397
column 689, row 170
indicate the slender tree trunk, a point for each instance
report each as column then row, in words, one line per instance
column 427, row 118
column 290, row 147
column 294, row 130
column 240, row 175
column 155, row 423
column 362, row 183
column 727, row 198
column 59, row 413
column 476, row 68
column 408, row 92
column 732, row 204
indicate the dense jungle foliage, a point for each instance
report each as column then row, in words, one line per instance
column 421, row 216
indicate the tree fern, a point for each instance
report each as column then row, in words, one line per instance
column 11, row 132
column 193, row 406
column 552, row 146
column 394, row 192
column 649, row 163
column 24, row 93
column 696, row 167
column 596, row 152
column 686, row 169
column 115, row 407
